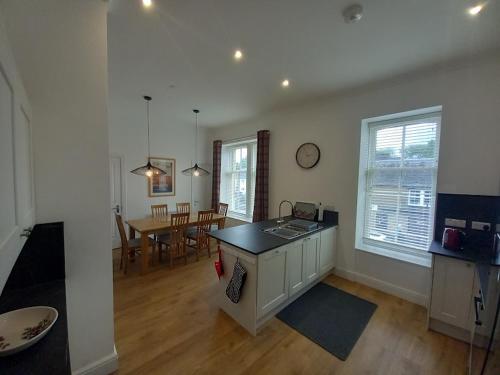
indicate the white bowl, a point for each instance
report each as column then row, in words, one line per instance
column 19, row 329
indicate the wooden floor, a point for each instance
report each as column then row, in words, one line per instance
column 167, row 322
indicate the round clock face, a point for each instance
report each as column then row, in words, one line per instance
column 307, row 155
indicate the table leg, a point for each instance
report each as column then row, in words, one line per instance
column 131, row 235
column 145, row 251
column 220, row 225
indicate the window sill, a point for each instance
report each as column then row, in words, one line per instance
column 424, row 260
column 238, row 217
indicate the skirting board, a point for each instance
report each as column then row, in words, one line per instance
column 104, row 366
column 384, row 286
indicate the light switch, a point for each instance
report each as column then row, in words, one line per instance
column 479, row 225
column 454, row 223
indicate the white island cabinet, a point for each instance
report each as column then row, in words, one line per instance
column 295, row 267
column 311, row 257
column 277, row 277
column 272, row 288
column 328, row 240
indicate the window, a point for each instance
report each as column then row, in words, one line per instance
column 419, row 198
column 238, row 178
column 397, row 184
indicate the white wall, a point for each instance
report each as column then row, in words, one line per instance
column 170, row 139
column 469, row 153
column 61, row 50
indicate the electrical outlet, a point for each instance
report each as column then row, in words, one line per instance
column 454, row 223
column 479, row 225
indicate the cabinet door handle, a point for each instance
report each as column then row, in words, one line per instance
column 477, row 300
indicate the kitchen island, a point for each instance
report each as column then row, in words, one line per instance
column 278, row 270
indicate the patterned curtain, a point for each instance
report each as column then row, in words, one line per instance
column 216, row 174
column 261, row 205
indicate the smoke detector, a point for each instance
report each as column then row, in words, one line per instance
column 352, row 13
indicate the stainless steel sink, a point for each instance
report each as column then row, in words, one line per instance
column 285, row 231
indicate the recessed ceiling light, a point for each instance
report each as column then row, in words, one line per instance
column 238, row 55
column 147, row 3
column 475, row 10
column 353, row 13
column 285, row 83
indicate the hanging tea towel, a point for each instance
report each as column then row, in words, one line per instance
column 233, row 290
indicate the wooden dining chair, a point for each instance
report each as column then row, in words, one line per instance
column 175, row 240
column 182, row 208
column 129, row 247
column 199, row 233
column 159, row 210
column 221, row 210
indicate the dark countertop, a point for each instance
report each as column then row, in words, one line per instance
column 469, row 254
column 50, row 355
column 251, row 238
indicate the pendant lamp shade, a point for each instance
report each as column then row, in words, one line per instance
column 196, row 170
column 148, row 170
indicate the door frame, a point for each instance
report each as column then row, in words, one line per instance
column 123, row 189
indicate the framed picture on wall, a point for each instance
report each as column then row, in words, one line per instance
column 164, row 185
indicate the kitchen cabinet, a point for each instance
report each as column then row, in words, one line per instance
column 327, row 250
column 484, row 333
column 272, row 280
column 311, row 257
column 296, row 271
column 452, row 291
column 275, row 278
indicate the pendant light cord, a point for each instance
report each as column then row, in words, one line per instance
column 147, row 115
column 196, row 141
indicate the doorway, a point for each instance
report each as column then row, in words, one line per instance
column 117, row 196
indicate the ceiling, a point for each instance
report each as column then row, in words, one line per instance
column 180, row 51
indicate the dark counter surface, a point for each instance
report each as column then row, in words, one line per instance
column 38, row 279
column 469, row 254
column 252, row 239
column 49, row 355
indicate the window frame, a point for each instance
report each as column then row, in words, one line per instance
column 251, row 145
column 395, row 251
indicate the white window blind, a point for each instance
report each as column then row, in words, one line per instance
column 397, row 187
column 238, row 163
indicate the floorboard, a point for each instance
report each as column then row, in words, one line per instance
column 167, row 322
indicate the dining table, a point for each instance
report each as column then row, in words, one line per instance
column 149, row 225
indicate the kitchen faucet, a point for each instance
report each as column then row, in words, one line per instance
column 280, row 219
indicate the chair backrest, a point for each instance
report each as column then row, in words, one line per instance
column 121, row 230
column 159, row 210
column 223, row 209
column 178, row 224
column 182, row 208
column 204, row 221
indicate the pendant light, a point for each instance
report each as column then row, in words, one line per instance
column 196, row 170
column 148, row 170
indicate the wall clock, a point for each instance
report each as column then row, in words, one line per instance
column 307, row 155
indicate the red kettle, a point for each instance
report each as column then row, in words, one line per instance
column 452, row 238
